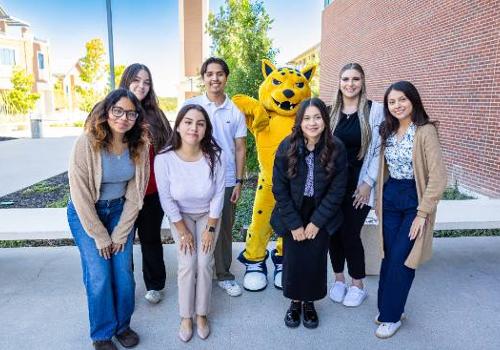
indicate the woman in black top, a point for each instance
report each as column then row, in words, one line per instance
column 309, row 177
column 355, row 120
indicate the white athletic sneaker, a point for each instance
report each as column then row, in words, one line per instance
column 231, row 287
column 153, row 296
column 338, row 291
column 355, row 296
column 387, row 329
column 403, row 317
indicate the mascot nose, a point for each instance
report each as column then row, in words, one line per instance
column 288, row 93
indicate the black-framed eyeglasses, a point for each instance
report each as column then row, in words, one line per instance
column 118, row 112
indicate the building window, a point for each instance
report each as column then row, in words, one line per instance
column 7, row 57
column 41, row 61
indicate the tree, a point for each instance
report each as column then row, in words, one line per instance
column 119, row 69
column 20, row 99
column 92, row 71
column 239, row 33
column 92, row 64
column 59, row 98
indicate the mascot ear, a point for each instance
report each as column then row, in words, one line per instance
column 309, row 71
column 267, row 67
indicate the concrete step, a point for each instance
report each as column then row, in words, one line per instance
column 48, row 223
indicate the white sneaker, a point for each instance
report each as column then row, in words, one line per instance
column 153, row 296
column 338, row 291
column 355, row 296
column 387, row 329
column 403, row 317
column 231, row 287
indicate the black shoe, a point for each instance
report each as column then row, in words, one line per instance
column 310, row 316
column 292, row 316
column 128, row 338
column 104, row 345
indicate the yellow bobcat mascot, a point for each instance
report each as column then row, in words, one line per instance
column 270, row 119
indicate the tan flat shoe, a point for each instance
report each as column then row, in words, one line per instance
column 185, row 334
column 203, row 331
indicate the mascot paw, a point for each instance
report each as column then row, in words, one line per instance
column 278, row 269
column 255, row 278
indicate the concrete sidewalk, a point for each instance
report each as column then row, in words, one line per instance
column 25, row 162
column 454, row 304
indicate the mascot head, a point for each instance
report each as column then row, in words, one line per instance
column 284, row 88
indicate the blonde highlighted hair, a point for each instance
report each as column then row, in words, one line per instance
column 363, row 109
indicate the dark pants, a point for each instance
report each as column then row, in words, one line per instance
column 223, row 249
column 400, row 203
column 345, row 244
column 149, row 230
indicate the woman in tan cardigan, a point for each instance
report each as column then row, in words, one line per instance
column 412, row 178
column 108, row 173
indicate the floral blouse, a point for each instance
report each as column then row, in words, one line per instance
column 398, row 154
column 309, row 189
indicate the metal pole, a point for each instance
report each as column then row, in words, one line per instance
column 110, row 45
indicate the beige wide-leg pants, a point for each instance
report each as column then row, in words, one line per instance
column 195, row 271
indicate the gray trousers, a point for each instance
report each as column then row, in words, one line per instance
column 194, row 274
column 223, row 249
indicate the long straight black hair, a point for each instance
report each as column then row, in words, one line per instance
column 211, row 150
column 419, row 116
column 328, row 153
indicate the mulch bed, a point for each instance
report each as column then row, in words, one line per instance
column 44, row 194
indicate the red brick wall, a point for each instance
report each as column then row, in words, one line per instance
column 449, row 49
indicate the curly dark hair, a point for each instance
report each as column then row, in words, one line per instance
column 211, row 150
column 97, row 126
column 328, row 153
column 157, row 123
column 419, row 116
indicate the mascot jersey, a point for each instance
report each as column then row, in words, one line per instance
column 270, row 119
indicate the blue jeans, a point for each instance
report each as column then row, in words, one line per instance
column 400, row 203
column 109, row 283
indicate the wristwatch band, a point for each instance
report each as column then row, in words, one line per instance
column 211, row 229
column 239, row 181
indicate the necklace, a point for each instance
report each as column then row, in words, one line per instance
column 349, row 115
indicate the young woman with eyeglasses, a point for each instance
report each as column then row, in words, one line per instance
column 137, row 78
column 108, row 174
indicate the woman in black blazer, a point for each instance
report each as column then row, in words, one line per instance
column 309, row 181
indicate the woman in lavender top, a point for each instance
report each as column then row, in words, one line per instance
column 190, row 180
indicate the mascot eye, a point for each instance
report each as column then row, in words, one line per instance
column 276, row 82
column 300, row 85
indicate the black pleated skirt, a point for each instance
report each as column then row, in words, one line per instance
column 305, row 262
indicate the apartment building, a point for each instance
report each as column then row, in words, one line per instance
column 20, row 48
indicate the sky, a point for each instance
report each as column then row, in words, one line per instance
column 147, row 31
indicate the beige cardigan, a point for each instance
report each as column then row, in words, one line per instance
column 431, row 180
column 85, row 174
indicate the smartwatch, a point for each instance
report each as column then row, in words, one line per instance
column 239, row 181
column 211, row 229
